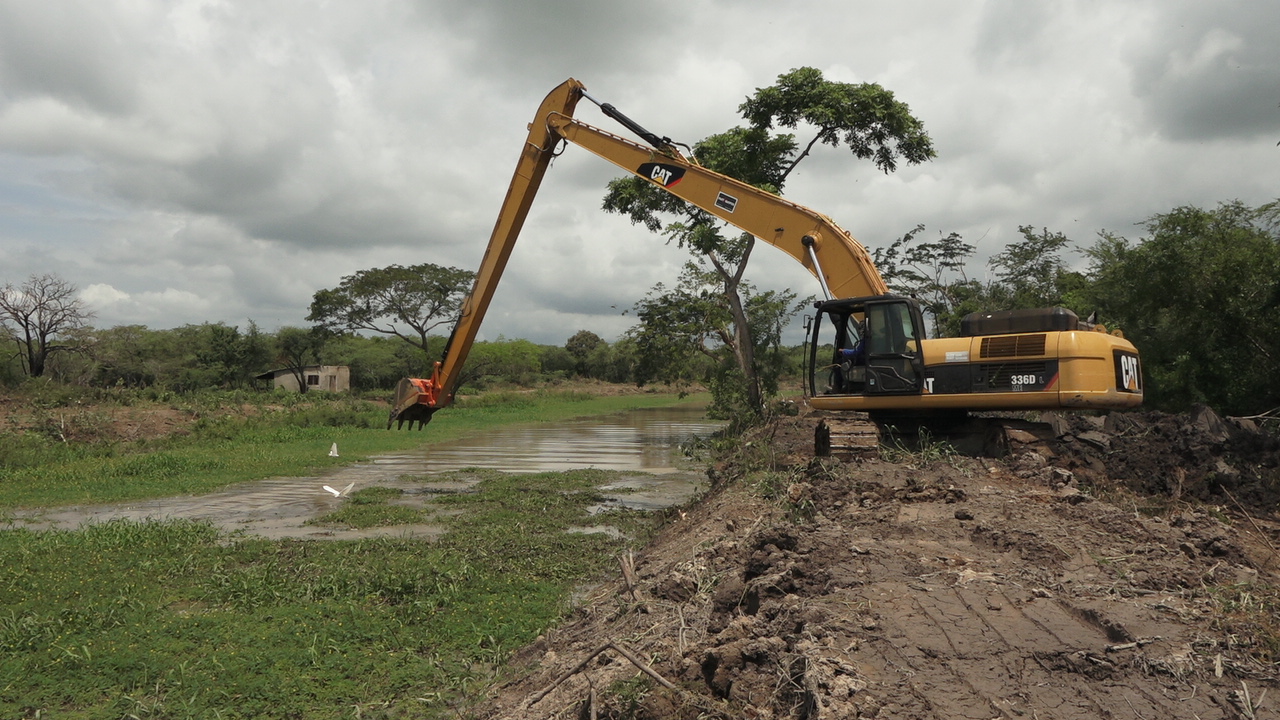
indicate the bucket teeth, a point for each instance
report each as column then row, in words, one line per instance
column 412, row 403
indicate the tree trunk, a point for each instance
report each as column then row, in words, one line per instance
column 35, row 356
column 300, row 374
column 744, row 349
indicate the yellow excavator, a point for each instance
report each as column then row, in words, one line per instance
column 867, row 349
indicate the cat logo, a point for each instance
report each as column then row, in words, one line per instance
column 661, row 173
column 1128, row 372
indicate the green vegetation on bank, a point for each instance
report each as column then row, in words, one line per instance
column 172, row 619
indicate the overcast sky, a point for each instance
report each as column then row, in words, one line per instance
column 205, row 160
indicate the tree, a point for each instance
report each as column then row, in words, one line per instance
column 1200, row 298
column 581, row 345
column 42, row 312
column 677, row 326
column 863, row 117
column 377, row 363
column 687, row 334
column 406, row 302
column 299, row 348
column 933, row 273
column 1031, row 273
column 127, row 355
column 503, row 361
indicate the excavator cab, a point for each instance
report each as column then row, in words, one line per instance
column 866, row 346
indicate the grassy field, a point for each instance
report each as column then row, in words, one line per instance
column 175, row 620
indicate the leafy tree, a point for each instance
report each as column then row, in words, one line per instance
column 405, row 302
column 558, row 362
column 580, row 346
column 128, row 356
column 41, row 314
column 686, row 335
column 377, row 363
column 207, row 355
column 615, row 362
column 1200, row 297
column 864, row 117
column 189, row 357
column 676, row 326
column 933, row 273
column 511, row 361
column 1031, row 273
column 298, row 348
column 254, row 355
column 219, row 353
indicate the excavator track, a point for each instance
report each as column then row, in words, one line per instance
column 849, row 435
column 862, row 435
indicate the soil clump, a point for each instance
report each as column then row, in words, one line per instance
column 1126, row 567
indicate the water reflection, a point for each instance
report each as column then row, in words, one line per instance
column 644, row 442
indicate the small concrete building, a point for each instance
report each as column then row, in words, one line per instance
column 326, row 378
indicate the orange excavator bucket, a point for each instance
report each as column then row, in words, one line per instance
column 416, row 400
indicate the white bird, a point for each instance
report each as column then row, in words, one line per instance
column 333, row 451
column 340, row 493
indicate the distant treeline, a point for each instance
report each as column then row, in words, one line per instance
column 217, row 355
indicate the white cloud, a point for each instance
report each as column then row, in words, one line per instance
column 101, row 295
column 140, row 308
column 220, row 160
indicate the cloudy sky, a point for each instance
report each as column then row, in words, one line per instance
column 187, row 161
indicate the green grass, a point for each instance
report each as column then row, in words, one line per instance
column 177, row 620
column 36, row 470
column 172, row 619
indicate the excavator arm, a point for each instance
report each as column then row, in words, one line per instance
column 841, row 264
column 1023, row 361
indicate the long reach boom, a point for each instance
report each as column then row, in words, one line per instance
column 840, row 262
column 867, row 348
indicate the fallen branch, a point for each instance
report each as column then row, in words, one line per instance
column 1272, row 414
column 628, row 563
column 643, row 667
column 585, row 661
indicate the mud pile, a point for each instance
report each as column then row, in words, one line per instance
column 936, row 587
column 1197, row 456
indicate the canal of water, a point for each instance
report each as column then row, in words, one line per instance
column 643, row 445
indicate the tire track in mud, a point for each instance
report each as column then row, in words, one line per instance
column 980, row 647
column 955, row 591
column 980, row 654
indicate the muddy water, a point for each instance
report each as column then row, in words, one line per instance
column 642, row 444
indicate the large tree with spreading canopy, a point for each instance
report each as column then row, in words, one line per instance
column 864, row 118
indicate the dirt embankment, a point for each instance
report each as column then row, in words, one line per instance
column 945, row 587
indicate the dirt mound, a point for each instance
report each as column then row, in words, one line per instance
column 1198, row 456
column 932, row 587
